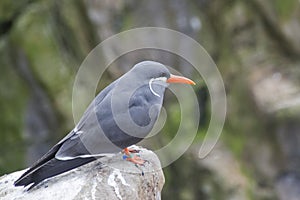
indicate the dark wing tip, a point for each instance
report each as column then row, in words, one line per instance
column 23, row 181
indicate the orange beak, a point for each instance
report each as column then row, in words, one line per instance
column 180, row 79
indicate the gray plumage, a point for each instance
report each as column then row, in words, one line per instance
column 121, row 115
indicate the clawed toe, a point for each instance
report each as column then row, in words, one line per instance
column 129, row 156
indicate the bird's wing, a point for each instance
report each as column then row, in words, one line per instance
column 88, row 139
column 93, row 105
column 42, row 161
column 69, row 141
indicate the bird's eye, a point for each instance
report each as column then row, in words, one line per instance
column 163, row 74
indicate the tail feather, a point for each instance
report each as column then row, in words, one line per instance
column 48, row 166
column 38, row 164
column 51, row 168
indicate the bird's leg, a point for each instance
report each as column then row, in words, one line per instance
column 129, row 156
column 127, row 151
column 136, row 160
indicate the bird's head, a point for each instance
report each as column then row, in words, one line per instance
column 155, row 72
column 138, row 95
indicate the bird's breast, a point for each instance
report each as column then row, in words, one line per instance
column 144, row 107
column 135, row 118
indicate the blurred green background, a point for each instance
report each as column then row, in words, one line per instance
column 255, row 44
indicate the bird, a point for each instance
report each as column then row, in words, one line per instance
column 121, row 115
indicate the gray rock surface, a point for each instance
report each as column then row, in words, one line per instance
column 106, row 178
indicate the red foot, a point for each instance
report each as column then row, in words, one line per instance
column 128, row 151
column 136, row 160
column 132, row 158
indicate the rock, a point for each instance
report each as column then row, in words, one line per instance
column 106, row 178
